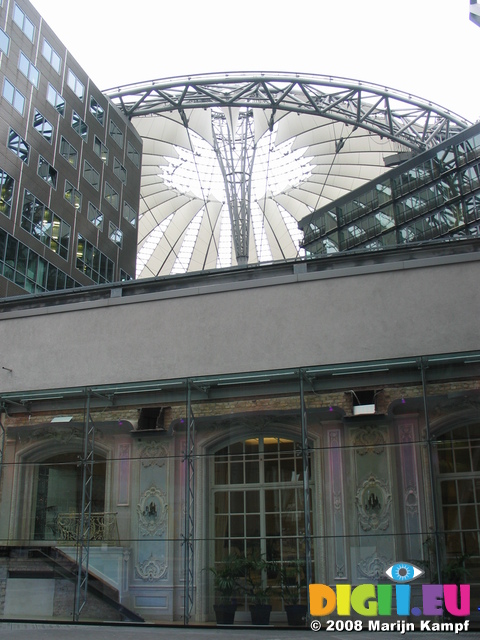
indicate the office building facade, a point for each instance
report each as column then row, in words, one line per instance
column 70, row 166
column 433, row 196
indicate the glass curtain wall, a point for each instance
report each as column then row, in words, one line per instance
column 254, row 470
column 454, row 414
column 163, row 502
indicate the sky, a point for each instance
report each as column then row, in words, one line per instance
column 428, row 48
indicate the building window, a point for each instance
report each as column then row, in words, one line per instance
column 79, row 126
column 93, row 263
column 459, row 478
column 56, row 99
column 47, row 172
column 51, row 56
column 7, row 184
column 120, row 171
column 124, row 276
column 62, row 521
column 69, row 152
column 130, row 214
column 23, row 21
column 115, row 234
column 95, row 216
column 111, row 196
column 91, row 175
column 42, row 223
column 72, row 195
column 27, row 269
column 75, row 85
column 100, row 149
column 13, row 96
column 258, row 502
column 133, row 154
column 116, row 134
column 97, row 111
column 43, row 126
column 4, row 42
column 18, row 145
column 28, row 69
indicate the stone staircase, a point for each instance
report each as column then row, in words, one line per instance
column 50, row 563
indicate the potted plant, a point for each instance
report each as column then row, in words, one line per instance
column 258, row 595
column 226, row 581
column 292, row 580
column 453, row 570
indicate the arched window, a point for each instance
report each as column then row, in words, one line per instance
column 459, row 479
column 59, row 494
column 258, row 501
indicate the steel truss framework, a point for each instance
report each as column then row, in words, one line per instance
column 407, row 119
column 189, row 536
column 275, row 168
column 2, row 447
column 84, row 531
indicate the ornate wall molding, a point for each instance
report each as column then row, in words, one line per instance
column 152, row 569
column 337, row 510
column 337, row 500
column 152, row 512
column 123, row 474
column 410, row 488
column 369, row 440
column 373, row 567
column 61, row 433
column 153, row 454
column 411, row 500
column 406, row 432
column 373, row 501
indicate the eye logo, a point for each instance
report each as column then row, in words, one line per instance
column 403, row 572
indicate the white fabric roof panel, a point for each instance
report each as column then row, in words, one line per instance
column 301, row 162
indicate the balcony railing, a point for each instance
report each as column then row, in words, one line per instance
column 103, row 527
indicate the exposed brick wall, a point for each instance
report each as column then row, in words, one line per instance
column 341, row 399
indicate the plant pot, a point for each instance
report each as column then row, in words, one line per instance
column 225, row 613
column 260, row 613
column 296, row 614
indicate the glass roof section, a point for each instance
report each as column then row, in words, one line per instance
column 232, row 162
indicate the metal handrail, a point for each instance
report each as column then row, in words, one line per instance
column 103, row 527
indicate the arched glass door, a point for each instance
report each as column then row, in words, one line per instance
column 459, row 479
column 258, row 502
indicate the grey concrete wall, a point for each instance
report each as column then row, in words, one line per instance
column 401, row 309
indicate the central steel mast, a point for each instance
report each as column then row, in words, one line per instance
column 235, row 146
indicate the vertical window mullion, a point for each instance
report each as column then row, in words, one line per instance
column 263, row 531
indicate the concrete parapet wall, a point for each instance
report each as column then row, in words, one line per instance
column 348, row 315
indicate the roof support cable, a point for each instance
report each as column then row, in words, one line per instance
column 172, row 249
column 265, row 221
column 205, row 202
column 339, row 144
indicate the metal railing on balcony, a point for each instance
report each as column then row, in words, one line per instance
column 103, row 527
